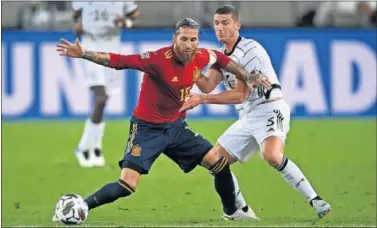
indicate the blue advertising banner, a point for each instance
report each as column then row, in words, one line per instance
column 323, row 73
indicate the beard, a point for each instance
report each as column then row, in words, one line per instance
column 184, row 55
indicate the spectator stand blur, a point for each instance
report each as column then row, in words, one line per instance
column 336, row 14
column 57, row 15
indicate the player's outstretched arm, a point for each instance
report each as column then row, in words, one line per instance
column 112, row 60
column 77, row 51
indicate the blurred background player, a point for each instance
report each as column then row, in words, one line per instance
column 264, row 116
column 99, row 24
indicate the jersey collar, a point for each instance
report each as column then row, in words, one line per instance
column 234, row 47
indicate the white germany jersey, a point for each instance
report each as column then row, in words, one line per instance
column 253, row 57
column 98, row 17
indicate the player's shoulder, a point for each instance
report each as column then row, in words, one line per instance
column 164, row 52
column 201, row 51
column 247, row 44
column 251, row 47
column 202, row 55
column 77, row 5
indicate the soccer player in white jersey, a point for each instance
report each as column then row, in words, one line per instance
column 99, row 25
column 264, row 116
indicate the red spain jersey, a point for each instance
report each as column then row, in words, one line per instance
column 166, row 81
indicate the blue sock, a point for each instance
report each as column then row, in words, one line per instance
column 109, row 193
column 224, row 185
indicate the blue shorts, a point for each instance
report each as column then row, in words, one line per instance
column 146, row 141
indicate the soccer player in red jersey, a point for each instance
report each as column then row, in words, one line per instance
column 157, row 126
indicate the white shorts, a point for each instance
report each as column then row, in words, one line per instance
column 247, row 134
column 98, row 75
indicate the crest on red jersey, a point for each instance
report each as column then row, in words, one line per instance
column 196, row 74
column 168, row 54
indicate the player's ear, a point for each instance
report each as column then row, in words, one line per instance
column 238, row 25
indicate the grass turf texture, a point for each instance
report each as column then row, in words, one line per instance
column 337, row 156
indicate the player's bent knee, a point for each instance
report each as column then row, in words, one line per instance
column 225, row 154
column 129, row 178
column 273, row 150
column 273, row 161
column 218, row 166
column 272, row 157
column 210, row 158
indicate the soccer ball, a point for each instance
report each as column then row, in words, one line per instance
column 71, row 210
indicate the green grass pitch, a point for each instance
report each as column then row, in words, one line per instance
column 337, row 156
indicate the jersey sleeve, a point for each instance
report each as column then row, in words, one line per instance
column 214, row 58
column 146, row 62
column 220, row 60
column 252, row 62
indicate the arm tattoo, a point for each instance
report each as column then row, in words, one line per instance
column 102, row 58
column 240, row 72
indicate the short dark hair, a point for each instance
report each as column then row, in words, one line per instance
column 186, row 23
column 229, row 9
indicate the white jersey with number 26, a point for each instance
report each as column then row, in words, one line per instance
column 98, row 17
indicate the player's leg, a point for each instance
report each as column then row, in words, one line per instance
column 94, row 125
column 82, row 151
column 98, row 123
column 142, row 150
column 190, row 149
column 237, row 144
column 224, row 184
column 89, row 151
column 125, row 186
column 272, row 147
column 240, row 200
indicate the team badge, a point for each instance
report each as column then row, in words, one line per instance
column 168, row 54
column 136, row 151
column 196, row 74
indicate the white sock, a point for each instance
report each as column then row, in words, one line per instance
column 240, row 201
column 98, row 130
column 294, row 177
column 87, row 136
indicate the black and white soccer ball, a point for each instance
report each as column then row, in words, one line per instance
column 71, row 209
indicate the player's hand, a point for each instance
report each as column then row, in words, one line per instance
column 69, row 49
column 123, row 22
column 192, row 100
column 258, row 79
